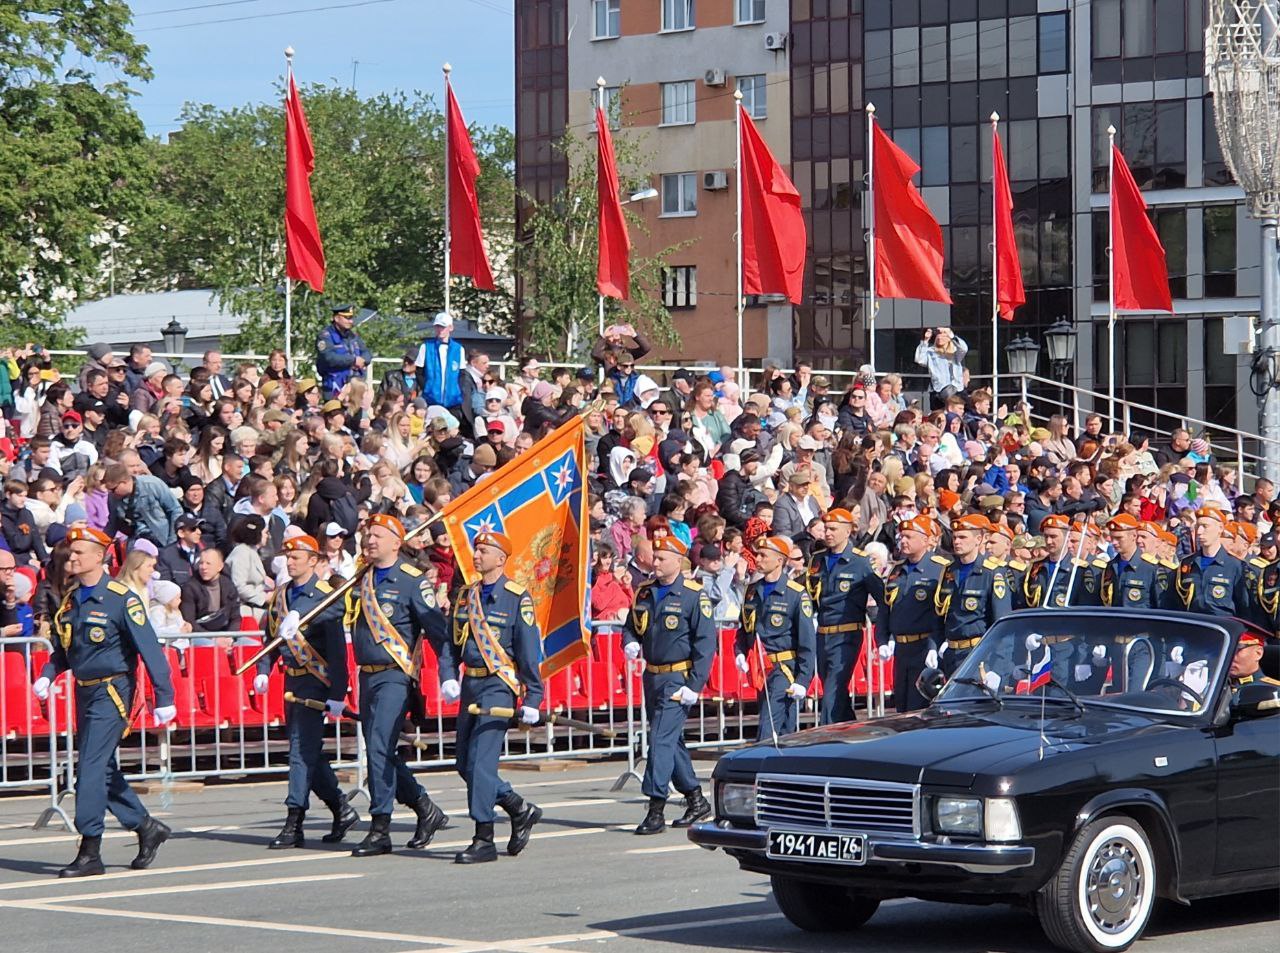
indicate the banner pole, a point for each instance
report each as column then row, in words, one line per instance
column 1111, row 283
column 871, row 237
column 448, row 242
column 600, row 85
column 288, row 282
column 995, row 274
column 738, row 301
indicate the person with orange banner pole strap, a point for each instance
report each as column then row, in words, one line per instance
column 498, row 648
column 777, row 616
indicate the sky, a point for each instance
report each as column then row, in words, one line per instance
column 384, row 44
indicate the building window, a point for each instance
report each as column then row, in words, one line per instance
column 678, row 103
column 1053, row 43
column 607, row 17
column 1219, row 251
column 754, row 95
column 680, row 286
column 750, row 11
column 680, row 194
column 677, row 15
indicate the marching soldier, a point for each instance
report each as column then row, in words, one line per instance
column 315, row 668
column 100, row 632
column 840, row 579
column 778, row 613
column 496, row 642
column 974, row 593
column 389, row 610
column 909, row 627
column 1211, row 580
column 671, row 627
column 340, row 351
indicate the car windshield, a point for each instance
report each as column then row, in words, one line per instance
column 1130, row 660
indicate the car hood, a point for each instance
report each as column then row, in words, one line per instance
column 945, row 744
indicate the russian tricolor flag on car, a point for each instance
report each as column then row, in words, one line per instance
column 1039, row 677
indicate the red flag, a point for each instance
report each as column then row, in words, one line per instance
column 467, row 252
column 612, row 274
column 303, row 251
column 1139, row 273
column 908, row 239
column 1009, row 291
column 773, row 235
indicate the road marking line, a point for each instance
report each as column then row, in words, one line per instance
column 664, row 850
column 108, row 835
column 188, row 888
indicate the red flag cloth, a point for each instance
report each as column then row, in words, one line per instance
column 1139, row 273
column 612, row 268
column 1010, row 294
column 303, row 251
column 467, row 252
column 908, row 239
column 773, row 235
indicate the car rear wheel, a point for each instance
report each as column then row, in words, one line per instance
column 1100, row 899
column 821, row 908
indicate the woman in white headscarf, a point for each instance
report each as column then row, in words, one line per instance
column 622, row 460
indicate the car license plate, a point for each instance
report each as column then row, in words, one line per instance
column 824, row 848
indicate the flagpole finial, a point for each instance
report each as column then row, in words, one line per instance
column 1111, row 130
column 737, row 95
column 871, row 108
column 447, row 69
column 995, row 116
column 600, row 82
column 288, row 52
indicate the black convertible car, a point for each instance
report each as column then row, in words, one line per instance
column 1082, row 762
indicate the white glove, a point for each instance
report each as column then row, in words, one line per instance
column 528, row 716
column 931, row 659
column 741, row 662
column 1175, row 655
column 686, row 696
column 886, row 651
column 1099, row 655
column 288, row 626
column 260, row 683
column 166, row 714
column 943, row 649
column 632, row 650
column 335, row 707
column 450, row 690
column 1034, row 641
column 1196, row 677
column 992, row 681
column 41, row 688
column 797, row 691
column 1083, row 672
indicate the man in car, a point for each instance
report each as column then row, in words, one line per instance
column 1246, row 664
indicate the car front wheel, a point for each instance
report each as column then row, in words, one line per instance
column 1100, row 899
column 821, row 908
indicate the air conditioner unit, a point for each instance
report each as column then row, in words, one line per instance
column 715, row 181
column 775, row 41
column 714, row 77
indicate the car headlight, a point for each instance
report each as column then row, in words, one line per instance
column 958, row 815
column 1001, row 820
column 738, row 800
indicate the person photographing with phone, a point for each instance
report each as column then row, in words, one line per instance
column 942, row 352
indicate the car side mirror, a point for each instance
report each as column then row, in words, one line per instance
column 930, row 683
column 1255, row 700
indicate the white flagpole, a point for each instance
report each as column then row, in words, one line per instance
column 600, row 106
column 737, row 105
column 288, row 282
column 871, row 237
column 995, row 274
column 1111, row 283
column 447, row 69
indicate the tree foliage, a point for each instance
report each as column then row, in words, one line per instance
column 72, row 154
column 216, row 219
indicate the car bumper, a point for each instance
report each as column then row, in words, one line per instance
column 972, row 858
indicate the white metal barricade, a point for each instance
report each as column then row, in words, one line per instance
column 29, row 748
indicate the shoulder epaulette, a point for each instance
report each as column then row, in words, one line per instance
column 1148, row 558
column 410, row 569
column 118, row 587
column 1100, row 563
column 940, row 560
column 693, row 585
column 1258, row 562
column 514, row 587
column 1169, row 563
column 792, row 584
column 323, row 586
column 1079, row 563
column 857, row 551
column 991, row 562
column 1018, row 565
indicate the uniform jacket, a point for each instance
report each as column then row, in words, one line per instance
column 971, row 607
column 1218, row 589
column 336, row 352
column 676, row 628
column 407, row 599
column 1132, row 584
column 324, row 634
column 783, row 622
column 840, row 590
column 910, row 594
column 508, row 611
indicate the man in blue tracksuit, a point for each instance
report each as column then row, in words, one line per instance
column 340, row 351
column 439, row 363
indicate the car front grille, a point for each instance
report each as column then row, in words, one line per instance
column 842, row 804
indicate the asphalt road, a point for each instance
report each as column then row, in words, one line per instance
column 585, row 883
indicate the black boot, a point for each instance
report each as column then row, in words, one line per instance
column 481, row 849
column 654, row 822
column 88, row 862
column 378, row 840
column 430, row 820
column 151, row 835
column 291, row 834
column 344, row 818
column 524, row 815
column 695, row 809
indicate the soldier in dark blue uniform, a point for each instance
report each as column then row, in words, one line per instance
column 1063, row 579
column 1089, row 563
column 909, row 628
column 1210, row 581
column 1130, row 581
column 315, row 668
column 389, row 610
column 1153, row 540
column 496, row 642
column 974, row 592
column 100, row 632
column 671, row 628
column 779, row 614
column 340, row 351
column 1238, row 540
column 840, row 580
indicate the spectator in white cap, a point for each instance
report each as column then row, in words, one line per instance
column 495, row 411
column 529, row 371
column 439, row 363
column 337, row 560
column 145, row 397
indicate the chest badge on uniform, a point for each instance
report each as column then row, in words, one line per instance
column 1219, row 592
column 388, row 607
column 971, row 604
column 776, row 619
column 97, row 635
column 921, row 593
column 844, row 585
column 671, row 621
column 1135, row 595
column 1060, row 599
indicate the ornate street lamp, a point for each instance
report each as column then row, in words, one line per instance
column 1060, row 342
column 1023, row 355
column 175, row 339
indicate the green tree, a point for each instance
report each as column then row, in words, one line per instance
column 72, row 155
column 217, row 218
column 559, row 258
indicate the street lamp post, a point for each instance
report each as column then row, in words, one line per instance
column 174, row 336
column 1060, row 342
